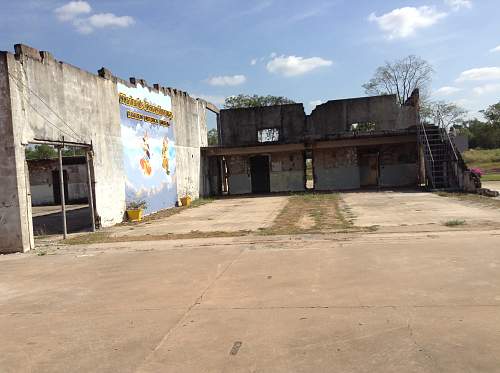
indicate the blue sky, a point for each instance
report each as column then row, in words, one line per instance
column 309, row 51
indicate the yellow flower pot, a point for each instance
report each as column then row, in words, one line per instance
column 186, row 201
column 134, row 215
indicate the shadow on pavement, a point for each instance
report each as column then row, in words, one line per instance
column 78, row 220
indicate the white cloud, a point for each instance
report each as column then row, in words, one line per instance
column 293, row 65
column 253, row 61
column 446, row 91
column 485, row 89
column 458, row 4
column 404, row 22
column 315, row 103
column 496, row 49
column 481, row 73
column 227, row 80
column 273, row 55
column 72, row 9
column 102, row 20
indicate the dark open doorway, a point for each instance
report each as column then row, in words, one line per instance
column 259, row 168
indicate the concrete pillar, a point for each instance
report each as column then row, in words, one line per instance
column 63, row 197
column 14, row 208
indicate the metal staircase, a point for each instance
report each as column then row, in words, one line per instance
column 442, row 159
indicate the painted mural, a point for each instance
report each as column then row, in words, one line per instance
column 148, row 147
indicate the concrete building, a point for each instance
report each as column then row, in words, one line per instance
column 144, row 141
column 351, row 144
column 45, row 182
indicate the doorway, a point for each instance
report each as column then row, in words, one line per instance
column 368, row 169
column 259, row 169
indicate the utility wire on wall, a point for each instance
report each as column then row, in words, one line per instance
column 75, row 134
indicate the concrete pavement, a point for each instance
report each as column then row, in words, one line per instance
column 412, row 302
column 222, row 215
column 412, row 210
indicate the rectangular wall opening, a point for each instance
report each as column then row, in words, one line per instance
column 259, row 169
column 45, row 194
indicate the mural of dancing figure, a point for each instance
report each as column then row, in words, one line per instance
column 164, row 155
column 145, row 160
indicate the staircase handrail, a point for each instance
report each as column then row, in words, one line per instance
column 427, row 142
column 451, row 145
column 429, row 170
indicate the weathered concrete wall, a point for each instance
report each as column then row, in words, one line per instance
column 42, row 183
column 336, row 169
column 239, row 179
column 398, row 165
column 190, row 128
column 287, row 172
column 44, row 99
column 50, row 100
column 337, row 116
column 14, row 234
column 239, row 127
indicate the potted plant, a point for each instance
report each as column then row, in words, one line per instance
column 135, row 210
column 186, row 196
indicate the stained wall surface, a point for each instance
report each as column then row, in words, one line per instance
column 45, row 99
column 287, row 172
column 336, row 169
column 238, row 127
column 338, row 116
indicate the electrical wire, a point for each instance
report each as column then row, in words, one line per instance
column 47, row 120
column 48, row 106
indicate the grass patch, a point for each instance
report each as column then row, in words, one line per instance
column 490, row 177
column 488, row 160
column 107, row 237
column 324, row 211
column 454, row 223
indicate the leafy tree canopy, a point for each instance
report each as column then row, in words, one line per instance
column 213, row 137
column 245, row 101
column 44, row 151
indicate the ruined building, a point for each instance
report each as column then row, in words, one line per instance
column 148, row 143
column 350, row 144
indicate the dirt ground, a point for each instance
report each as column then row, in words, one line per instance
column 422, row 300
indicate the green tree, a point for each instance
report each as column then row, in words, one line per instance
column 42, row 151
column 492, row 114
column 245, row 101
column 481, row 134
column 213, row 137
column 401, row 78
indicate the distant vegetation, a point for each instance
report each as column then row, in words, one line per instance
column 245, row 101
column 44, row 151
column 488, row 160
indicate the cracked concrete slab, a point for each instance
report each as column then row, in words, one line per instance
column 365, row 303
column 222, row 215
column 411, row 208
